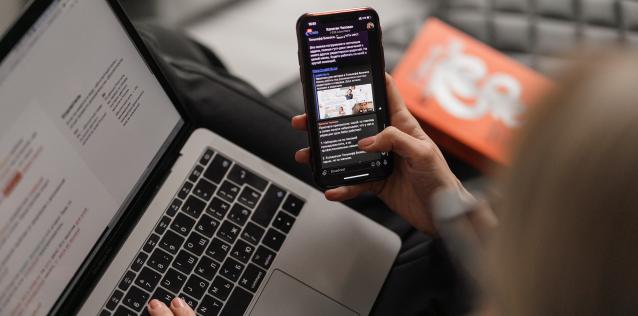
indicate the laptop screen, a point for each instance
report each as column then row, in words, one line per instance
column 82, row 121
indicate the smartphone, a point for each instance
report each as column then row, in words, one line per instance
column 342, row 69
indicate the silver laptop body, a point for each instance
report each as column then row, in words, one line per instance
column 86, row 119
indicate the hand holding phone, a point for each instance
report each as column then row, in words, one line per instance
column 420, row 169
column 342, row 70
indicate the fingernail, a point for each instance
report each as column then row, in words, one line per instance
column 366, row 142
column 178, row 303
column 154, row 304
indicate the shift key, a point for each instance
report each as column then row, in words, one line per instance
column 269, row 205
column 237, row 302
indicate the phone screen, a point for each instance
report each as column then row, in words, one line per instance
column 344, row 71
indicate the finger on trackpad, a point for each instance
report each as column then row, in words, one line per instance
column 285, row 295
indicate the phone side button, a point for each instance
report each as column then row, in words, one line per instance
column 301, row 75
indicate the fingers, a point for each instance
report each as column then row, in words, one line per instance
column 300, row 122
column 157, row 308
column 392, row 139
column 394, row 96
column 302, row 156
column 180, row 308
column 350, row 192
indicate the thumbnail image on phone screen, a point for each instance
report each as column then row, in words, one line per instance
column 343, row 72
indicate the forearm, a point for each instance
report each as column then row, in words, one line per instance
column 464, row 222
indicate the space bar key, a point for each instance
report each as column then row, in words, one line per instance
column 237, row 303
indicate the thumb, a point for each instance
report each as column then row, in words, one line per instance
column 402, row 144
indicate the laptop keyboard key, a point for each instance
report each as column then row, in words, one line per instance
column 237, row 303
column 162, row 225
column 151, row 242
column 163, row 296
column 123, row 311
column 196, row 243
column 242, row 176
column 104, row 312
column 239, row 214
column 228, row 232
column 283, row 222
column 173, row 281
column 252, row 233
column 268, row 206
column 195, row 287
column 293, row 205
column 174, row 207
column 196, row 173
column 249, row 197
column 220, row 288
column 242, row 251
column 171, row 242
column 204, row 190
column 206, row 157
column 160, row 260
column 184, row 262
column 207, row 226
column 263, row 257
column 139, row 261
column 228, row 191
column 206, row 268
column 218, row 249
column 127, row 280
column 148, row 279
column 185, row 189
column 136, row 298
column 252, row 277
column 274, row 239
column 193, row 206
column 115, row 299
column 231, row 269
column 217, row 169
column 182, row 224
column 218, row 208
column 209, row 306
column 189, row 300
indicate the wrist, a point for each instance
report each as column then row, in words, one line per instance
column 453, row 204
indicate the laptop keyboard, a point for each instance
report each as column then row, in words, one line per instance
column 213, row 245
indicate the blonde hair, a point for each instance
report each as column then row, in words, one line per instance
column 568, row 237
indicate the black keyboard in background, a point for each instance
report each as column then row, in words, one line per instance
column 214, row 244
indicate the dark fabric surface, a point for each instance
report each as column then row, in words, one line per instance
column 422, row 281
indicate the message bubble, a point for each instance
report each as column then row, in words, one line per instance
column 334, row 49
column 339, row 138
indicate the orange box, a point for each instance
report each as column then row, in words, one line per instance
column 468, row 96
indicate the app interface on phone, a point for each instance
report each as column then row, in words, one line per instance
column 343, row 92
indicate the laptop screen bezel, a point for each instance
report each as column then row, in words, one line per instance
column 102, row 253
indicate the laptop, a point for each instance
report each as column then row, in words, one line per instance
column 110, row 197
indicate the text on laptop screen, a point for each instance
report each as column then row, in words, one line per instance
column 81, row 120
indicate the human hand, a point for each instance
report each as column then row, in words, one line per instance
column 420, row 169
column 178, row 308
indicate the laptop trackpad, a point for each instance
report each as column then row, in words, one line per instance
column 285, row 296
